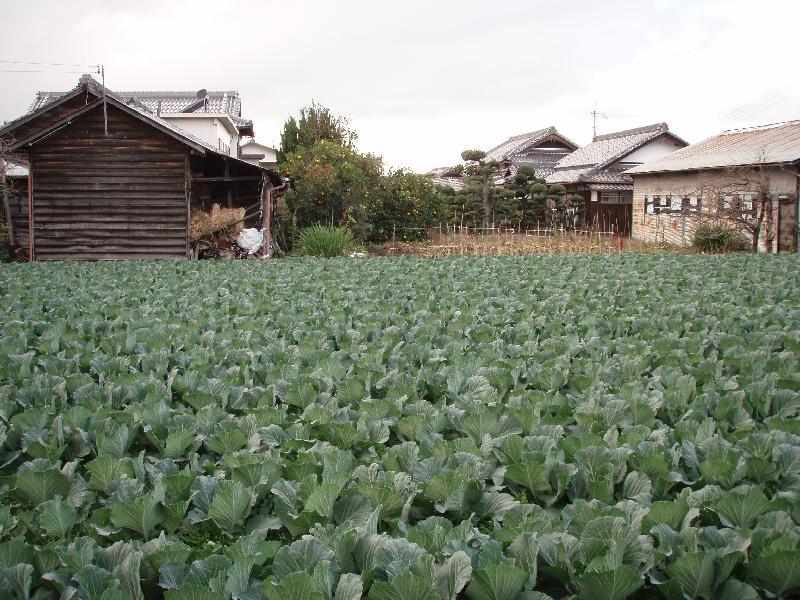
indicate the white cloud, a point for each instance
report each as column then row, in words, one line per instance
column 423, row 80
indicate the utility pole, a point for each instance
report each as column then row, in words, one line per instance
column 105, row 107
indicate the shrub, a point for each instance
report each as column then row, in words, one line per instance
column 5, row 242
column 473, row 155
column 716, row 237
column 405, row 205
column 325, row 241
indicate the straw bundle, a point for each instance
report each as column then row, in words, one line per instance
column 203, row 223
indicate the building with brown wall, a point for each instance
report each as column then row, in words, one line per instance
column 747, row 178
column 596, row 172
column 107, row 179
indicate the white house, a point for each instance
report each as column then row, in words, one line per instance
column 258, row 154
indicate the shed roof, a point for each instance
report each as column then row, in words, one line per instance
column 767, row 144
column 516, row 144
column 131, row 106
column 591, row 162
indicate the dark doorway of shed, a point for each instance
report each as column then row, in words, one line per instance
column 611, row 212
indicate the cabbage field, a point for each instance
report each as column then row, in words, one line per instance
column 491, row 428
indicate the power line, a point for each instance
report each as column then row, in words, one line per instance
column 36, row 71
column 45, row 64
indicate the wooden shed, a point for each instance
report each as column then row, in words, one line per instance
column 110, row 180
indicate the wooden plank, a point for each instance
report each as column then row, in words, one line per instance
column 121, row 226
column 227, row 179
column 63, row 122
column 116, row 197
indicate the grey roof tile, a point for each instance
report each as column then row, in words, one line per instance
column 516, row 144
column 227, row 102
column 591, row 162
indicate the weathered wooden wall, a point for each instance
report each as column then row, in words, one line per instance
column 18, row 203
column 105, row 198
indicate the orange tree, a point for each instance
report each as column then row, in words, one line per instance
column 405, row 205
column 331, row 184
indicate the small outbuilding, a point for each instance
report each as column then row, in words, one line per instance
column 109, row 179
column 748, row 179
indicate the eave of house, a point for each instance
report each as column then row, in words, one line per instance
column 224, row 118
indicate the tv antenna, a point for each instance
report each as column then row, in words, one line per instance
column 596, row 114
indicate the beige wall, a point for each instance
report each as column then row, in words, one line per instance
column 652, row 151
column 708, row 186
column 209, row 128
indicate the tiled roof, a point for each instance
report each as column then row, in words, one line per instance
column 513, row 145
column 228, row 103
column 439, row 176
column 777, row 143
column 88, row 82
column 611, row 187
column 565, row 175
column 457, row 183
column 171, row 102
column 589, row 162
column 606, row 148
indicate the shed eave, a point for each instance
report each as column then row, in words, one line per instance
column 42, row 110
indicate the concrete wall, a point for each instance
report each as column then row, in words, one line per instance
column 652, row 151
column 708, row 187
column 252, row 148
column 210, row 129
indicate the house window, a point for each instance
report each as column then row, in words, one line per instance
column 689, row 204
column 609, row 198
column 747, row 206
column 616, row 198
column 727, row 203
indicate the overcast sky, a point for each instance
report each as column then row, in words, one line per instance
column 422, row 80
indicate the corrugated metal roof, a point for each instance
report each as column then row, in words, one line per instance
column 776, row 143
column 513, row 145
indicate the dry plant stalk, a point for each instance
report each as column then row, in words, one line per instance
column 511, row 244
column 203, row 223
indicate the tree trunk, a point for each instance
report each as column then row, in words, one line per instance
column 486, row 208
column 762, row 206
column 770, row 234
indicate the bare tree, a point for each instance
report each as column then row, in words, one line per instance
column 741, row 198
column 745, row 201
